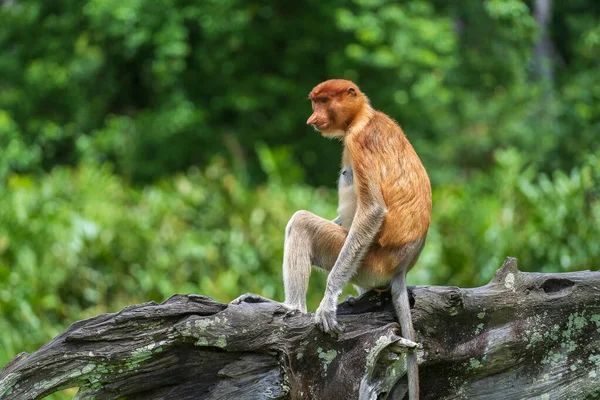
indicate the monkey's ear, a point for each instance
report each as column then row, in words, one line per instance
column 352, row 91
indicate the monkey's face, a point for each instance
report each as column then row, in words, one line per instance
column 323, row 118
column 335, row 103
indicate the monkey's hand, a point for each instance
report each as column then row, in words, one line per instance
column 325, row 318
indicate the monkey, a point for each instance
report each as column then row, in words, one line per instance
column 384, row 212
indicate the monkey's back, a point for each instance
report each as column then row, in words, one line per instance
column 393, row 163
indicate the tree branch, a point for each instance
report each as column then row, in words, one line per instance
column 523, row 335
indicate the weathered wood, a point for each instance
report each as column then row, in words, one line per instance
column 523, row 335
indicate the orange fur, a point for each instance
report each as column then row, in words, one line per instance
column 386, row 169
column 384, row 213
column 386, row 165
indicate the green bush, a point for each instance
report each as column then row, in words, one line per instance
column 550, row 223
column 78, row 242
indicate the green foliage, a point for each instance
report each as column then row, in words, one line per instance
column 79, row 242
column 117, row 81
column 550, row 223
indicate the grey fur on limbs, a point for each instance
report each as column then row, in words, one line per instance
column 304, row 233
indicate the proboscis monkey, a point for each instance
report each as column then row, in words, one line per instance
column 383, row 214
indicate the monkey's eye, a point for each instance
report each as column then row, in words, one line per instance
column 324, row 100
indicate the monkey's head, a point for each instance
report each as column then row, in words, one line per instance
column 335, row 103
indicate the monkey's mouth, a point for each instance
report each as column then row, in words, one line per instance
column 321, row 127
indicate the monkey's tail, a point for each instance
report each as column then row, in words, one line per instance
column 402, row 307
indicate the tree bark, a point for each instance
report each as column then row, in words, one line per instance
column 522, row 336
column 544, row 48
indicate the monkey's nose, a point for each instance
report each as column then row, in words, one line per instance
column 311, row 120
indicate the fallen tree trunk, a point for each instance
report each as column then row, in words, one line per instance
column 524, row 335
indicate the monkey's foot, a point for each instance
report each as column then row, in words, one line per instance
column 251, row 298
column 255, row 298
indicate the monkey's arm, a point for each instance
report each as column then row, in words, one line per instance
column 367, row 222
column 362, row 233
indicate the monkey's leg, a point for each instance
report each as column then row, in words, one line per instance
column 309, row 240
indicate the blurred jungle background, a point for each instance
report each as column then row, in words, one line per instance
column 153, row 147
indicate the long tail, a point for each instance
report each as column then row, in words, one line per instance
column 402, row 307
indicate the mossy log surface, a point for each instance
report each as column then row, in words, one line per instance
column 522, row 336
